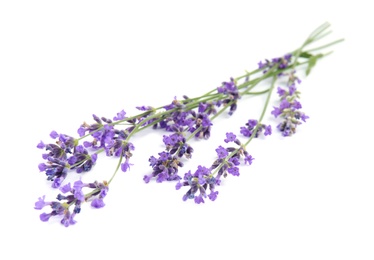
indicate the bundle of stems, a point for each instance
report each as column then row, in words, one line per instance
column 183, row 120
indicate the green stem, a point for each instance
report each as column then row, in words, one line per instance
column 263, row 112
column 117, row 168
column 325, row 46
column 225, row 161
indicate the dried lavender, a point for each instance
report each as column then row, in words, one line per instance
column 180, row 122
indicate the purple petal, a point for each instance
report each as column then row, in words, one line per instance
column 65, row 188
column 40, row 145
column 213, row 195
column 45, row 217
column 53, row 134
column 97, row 203
column 94, row 157
column 42, row 167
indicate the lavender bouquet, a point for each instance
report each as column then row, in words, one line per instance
column 179, row 122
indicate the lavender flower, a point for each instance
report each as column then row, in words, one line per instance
column 206, row 179
column 61, row 207
column 232, row 94
column 252, row 126
column 221, row 152
column 81, row 160
column 279, row 62
column 230, row 137
column 289, row 108
column 55, row 169
column 165, row 168
column 100, row 131
column 199, row 183
column 63, row 156
column 120, row 115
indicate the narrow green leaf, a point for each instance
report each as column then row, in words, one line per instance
column 305, row 55
column 312, row 62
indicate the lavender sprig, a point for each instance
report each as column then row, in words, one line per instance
column 227, row 162
column 183, row 120
column 61, row 207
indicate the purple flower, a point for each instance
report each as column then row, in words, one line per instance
column 57, row 182
column 284, row 104
column 68, row 220
column 276, row 112
column 230, row 137
column 152, row 161
column 178, row 186
column 81, row 131
column 233, row 171
column 296, row 104
column 103, row 192
column 304, row 117
column 77, row 188
column 42, row 167
column 245, row 131
column 221, row 152
column 94, row 157
column 199, row 182
column 292, row 89
column 289, row 106
column 41, row 145
column 248, row 159
column 165, row 168
column 213, row 195
column 253, row 126
column 125, row 166
column 202, row 107
column 120, row 115
column 144, row 108
column 53, row 134
column 81, row 160
column 280, row 62
column 74, row 199
column 41, row 203
column 281, row 91
column 87, row 144
column 45, row 217
column 147, row 178
column 252, row 123
column 55, row 169
column 199, row 199
column 66, row 188
column 97, row 203
column 164, row 156
column 267, row 130
column 234, row 160
column 231, row 90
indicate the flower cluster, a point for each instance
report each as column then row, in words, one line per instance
column 184, row 120
column 107, row 137
column 252, row 126
column 289, row 108
column 165, row 167
column 279, row 62
column 62, row 156
column 74, row 198
column 206, row 179
column 232, row 94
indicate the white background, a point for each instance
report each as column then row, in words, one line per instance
column 306, row 197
